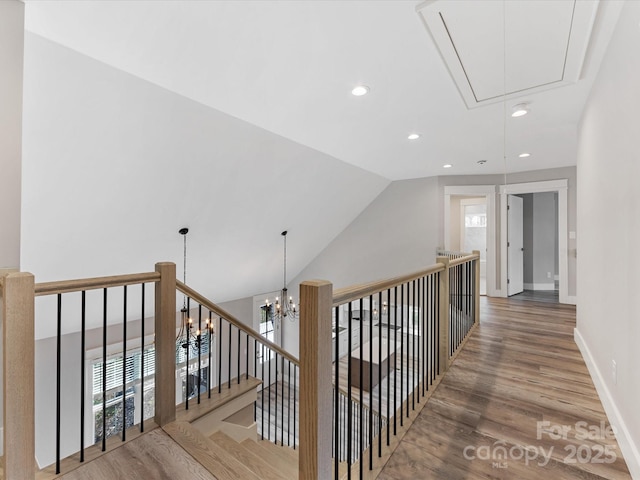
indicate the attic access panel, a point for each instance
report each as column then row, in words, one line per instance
column 546, row 42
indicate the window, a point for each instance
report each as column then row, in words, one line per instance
column 267, row 330
column 114, row 390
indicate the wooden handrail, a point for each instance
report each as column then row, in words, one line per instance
column 355, row 292
column 190, row 292
column 460, row 260
column 67, row 286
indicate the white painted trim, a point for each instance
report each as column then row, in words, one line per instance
column 559, row 186
column 629, row 450
column 539, row 286
column 571, row 300
column 534, row 187
column 489, row 192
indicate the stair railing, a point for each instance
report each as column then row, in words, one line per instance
column 240, row 352
column 392, row 340
column 415, row 322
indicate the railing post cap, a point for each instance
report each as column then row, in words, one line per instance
column 316, row 283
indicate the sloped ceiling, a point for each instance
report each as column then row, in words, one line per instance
column 235, row 119
column 289, row 67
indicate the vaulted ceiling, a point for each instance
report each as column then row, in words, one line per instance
column 289, row 67
column 236, row 119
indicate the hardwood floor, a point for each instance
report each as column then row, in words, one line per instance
column 516, row 404
column 151, row 456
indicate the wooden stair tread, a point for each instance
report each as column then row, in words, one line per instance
column 217, row 400
column 262, row 465
column 219, row 462
column 284, row 459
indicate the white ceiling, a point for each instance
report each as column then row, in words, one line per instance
column 289, row 66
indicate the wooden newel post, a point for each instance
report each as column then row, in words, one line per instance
column 18, row 356
column 165, row 326
column 316, row 297
column 445, row 300
column 476, row 293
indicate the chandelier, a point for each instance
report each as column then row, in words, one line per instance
column 189, row 340
column 284, row 306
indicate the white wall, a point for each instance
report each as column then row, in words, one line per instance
column 397, row 233
column 608, row 214
column 113, row 166
column 11, row 61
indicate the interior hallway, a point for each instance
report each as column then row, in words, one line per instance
column 519, row 383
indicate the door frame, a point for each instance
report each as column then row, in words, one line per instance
column 560, row 187
column 489, row 192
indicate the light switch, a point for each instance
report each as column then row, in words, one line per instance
column 572, row 235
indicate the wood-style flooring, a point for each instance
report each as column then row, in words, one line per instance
column 151, row 456
column 518, row 381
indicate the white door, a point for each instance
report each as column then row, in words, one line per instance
column 515, row 248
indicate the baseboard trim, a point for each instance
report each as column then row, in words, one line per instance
column 628, row 448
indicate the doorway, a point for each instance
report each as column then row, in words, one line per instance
column 559, row 188
column 473, row 233
column 470, row 224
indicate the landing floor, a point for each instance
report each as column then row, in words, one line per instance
column 514, row 405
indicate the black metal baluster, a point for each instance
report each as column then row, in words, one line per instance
column 142, row 361
column 229, row 359
column 413, row 348
column 437, row 323
column 369, row 430
column 388, row 327
column 124, row 364
column 288, row 403
column 104, row 370
column 239, row 356
column 380, row 327
column 395, row 359
column 199, row 342
column 275, row 421
column 209, row 335
column 220, row 355
column 361, row 388
column 294, row 405
column 424, row 337
column 336, row 392
column 255, row 374
column 83, row 330
column 349, row 382
column 246, row 359
column 269, row 396
column 58, row 379
column 188, row 348
column 401, row 353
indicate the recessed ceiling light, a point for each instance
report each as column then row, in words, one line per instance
column 520, row 110
column 413, row 136
column 360, row 90
column 524, row 155
column 481, row 162
column 448, row 165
